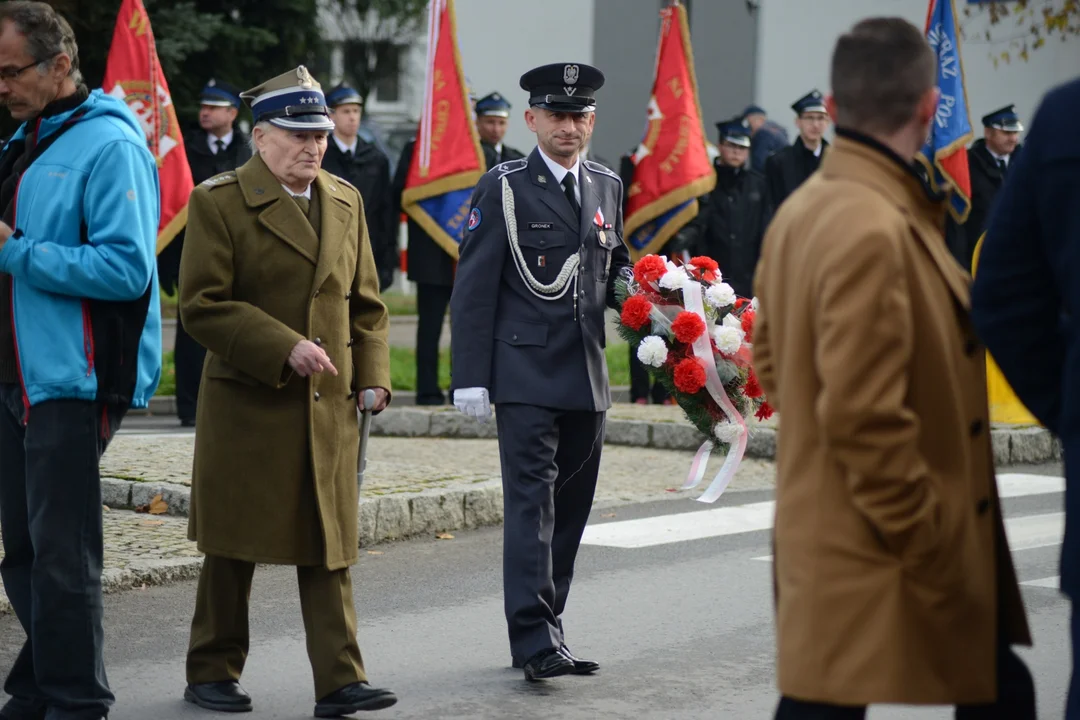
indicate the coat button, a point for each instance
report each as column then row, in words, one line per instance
column 316, row 397
column 976, row 428
column 982, row 506
column 315, row 295
column 582, row 293
column 351, row 395
column 317, row 341
column 351, row 342
column 514, row 337
column 348, row 295
column 543, row 243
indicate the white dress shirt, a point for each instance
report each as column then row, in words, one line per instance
column 212, row 140
column 305, row 194
column 343, row 147
column 560, row 172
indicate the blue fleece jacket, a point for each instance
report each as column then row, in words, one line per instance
column 83, row 252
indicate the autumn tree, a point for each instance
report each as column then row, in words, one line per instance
column 1013, row 30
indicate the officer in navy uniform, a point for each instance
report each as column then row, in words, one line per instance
column 787, row 169
column 366, row 168
column 732, row 219
column 492, row 117
column 538, row 264
column 217, row 146
column 989, row 159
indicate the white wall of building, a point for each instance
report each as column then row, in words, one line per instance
column 502, row 39
column 796, row 39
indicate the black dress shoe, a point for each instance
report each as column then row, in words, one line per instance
column 581, row 667
column 221, row 696
column 547, row 663
column 354, row 698
column 187, row 422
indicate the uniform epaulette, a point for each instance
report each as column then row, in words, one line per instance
column 598, row 168
column 510, row 166
column 225, row 178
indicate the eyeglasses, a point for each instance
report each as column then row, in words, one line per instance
column 7, row 74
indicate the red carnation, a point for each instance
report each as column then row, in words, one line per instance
column 705, row 268
column 764, row 412
column 687, row 327
column 649, row 269
column 689, row 376
column 752, row 389
column 748, row 325
column 739, row 302
column 635, row 312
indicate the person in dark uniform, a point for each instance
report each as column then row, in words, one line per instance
column 787, row 169
column 367, row 168
column 432, row 269
column 539, row 260
column 989, row 159
column 216, row 147
column 492, row 118
column 766, row 136
column 734, row 216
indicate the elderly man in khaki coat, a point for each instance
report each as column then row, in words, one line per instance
column 894, row 581
column 278, row 282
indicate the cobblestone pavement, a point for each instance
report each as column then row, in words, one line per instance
column 405, row 465
column 135, row 543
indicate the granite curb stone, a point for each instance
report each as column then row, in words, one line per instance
column 1019, row 445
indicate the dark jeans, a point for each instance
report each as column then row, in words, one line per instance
column 1016, row 699
column 50, row 516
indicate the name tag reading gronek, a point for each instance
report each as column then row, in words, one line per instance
column 541, row 226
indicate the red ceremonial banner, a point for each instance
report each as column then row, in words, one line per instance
column 133, row 74
column 447, row 159
column 671, row 165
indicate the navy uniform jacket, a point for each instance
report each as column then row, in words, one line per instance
column 521, row 348
column 1026, row 296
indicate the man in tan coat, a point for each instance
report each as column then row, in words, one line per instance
column 278, row 282
column 894, row 582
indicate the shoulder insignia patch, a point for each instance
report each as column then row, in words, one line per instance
column 600, row 169
column 474, row 219
column 219, row 180
column 510, row 166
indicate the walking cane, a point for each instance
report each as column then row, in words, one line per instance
column 365, row 430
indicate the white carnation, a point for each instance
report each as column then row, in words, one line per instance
column 652, row 351
column 726, row 432
column 720, row 295
column 728, row 339
column 732, row 322
column 674, row 279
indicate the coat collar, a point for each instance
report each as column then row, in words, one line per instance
column 283, row 217
column 868, row 162
column 553, row 196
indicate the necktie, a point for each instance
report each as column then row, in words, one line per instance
column 568, row 189
column 303, row 202
column 348, row 154
column 220, row 145
column 1002, row 165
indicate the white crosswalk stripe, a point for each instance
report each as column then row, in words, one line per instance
column 1025, row 533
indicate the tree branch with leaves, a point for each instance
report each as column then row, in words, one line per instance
column 1013, row 30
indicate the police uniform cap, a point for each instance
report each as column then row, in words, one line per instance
column 219, row 94
column 293, row 100
column 735, row 131
column 812, row 101
column 753, row 110
column 342, row 94
column 493, row 105
column 1006, row 119
column 563, row 87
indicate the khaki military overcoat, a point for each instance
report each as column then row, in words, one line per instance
column 892, row 572
column 274, row 477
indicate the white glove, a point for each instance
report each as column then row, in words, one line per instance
column 473, row 402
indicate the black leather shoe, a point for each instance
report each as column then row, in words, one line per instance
column 354, row 698
column 581, row 667
column 547, row 663
column 221, row 696
column 21, row 709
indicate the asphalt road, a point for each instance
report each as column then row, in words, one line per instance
column 677, row 609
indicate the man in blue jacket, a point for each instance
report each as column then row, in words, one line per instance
column 1025, row 294
column 80, row 343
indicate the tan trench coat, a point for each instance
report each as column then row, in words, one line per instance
column 892, row 570
column 274, row 476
